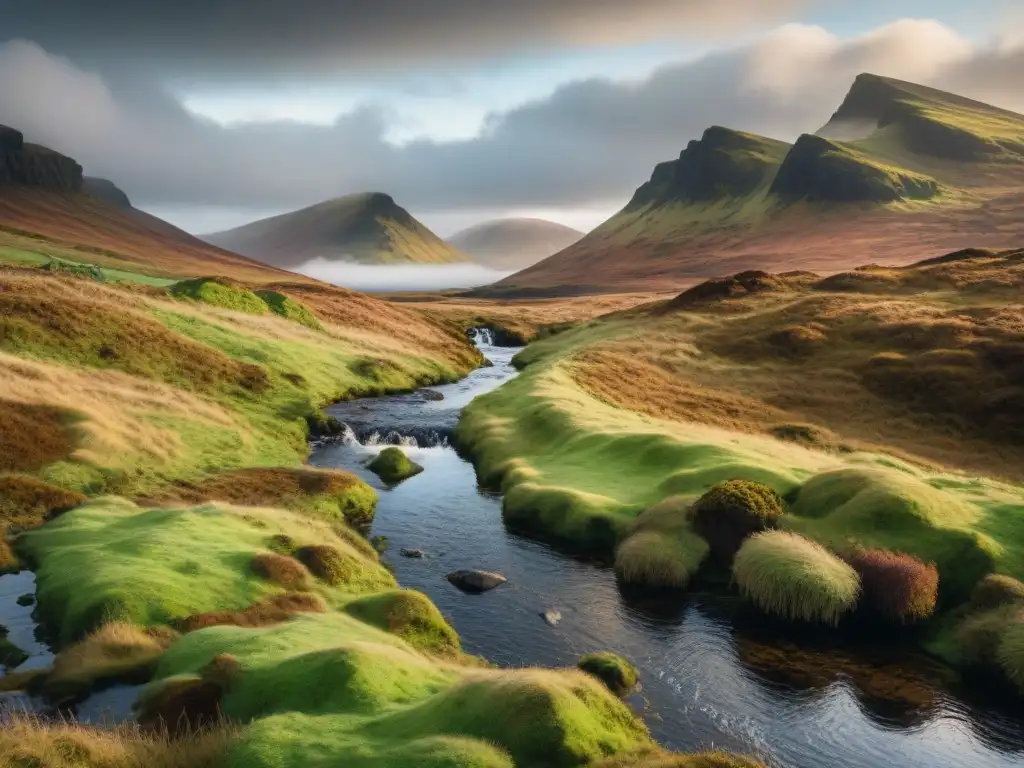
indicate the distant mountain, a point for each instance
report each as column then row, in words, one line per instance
column 900, row 171
column 47, row 205
column 514, row 243
column 367, row 228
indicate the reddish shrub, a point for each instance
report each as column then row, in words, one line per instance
column 280, row 569
column 899, row 587
column 731, row 511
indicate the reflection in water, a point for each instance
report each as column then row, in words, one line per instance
column 708, row 679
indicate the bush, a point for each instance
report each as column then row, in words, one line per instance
column 393, row 466
column 790, row 576
column 996, row 590
column 615, row 672
column 899, row 587
column 662, row 550
column 731, row 511
column 281, row 570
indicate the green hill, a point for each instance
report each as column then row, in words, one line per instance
column 367, row 228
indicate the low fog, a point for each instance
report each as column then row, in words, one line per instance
column 381, row 278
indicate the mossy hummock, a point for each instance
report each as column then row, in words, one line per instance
column 619, row 675
column 393, row 466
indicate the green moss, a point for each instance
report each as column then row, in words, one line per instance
column 792, row 577
column 661, row 549
column 111, row 560
column 618, row 675
column 219, row 292
column 289, row 308
column 411, row 616
column 996, row 590
column 1010, row 652
column 393, row 466
column 732, row 511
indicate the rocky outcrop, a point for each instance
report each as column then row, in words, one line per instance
column 819, row 170
column 34, row 166
column 106, row 191
column 723, row 163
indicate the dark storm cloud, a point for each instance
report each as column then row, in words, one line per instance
column 242, row 38
column 589, row 141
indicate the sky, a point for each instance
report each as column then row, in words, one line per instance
column 211, row 114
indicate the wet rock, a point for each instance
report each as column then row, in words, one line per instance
column 476, row 581
column 27, row 599
column 415, row 554
column 432, row 395
column 552, row 616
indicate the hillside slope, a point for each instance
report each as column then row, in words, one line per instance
column 900, row 171
column 366, row 228
column 514, row 243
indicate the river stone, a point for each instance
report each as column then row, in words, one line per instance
column 552, row 616
column 476, row 581
column 432, row 395
column 416, row 554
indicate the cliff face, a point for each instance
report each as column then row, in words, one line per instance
column 819, row 170
column 34, row 166
column 107, row 191
column 723, row 163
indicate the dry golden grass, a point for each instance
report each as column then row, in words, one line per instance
column 27, row 503
column 32, row 436
column 113, row 651
column 927, row 363
column 31, row 742
column 281, row 569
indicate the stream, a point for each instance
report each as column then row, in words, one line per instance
column 711, row 676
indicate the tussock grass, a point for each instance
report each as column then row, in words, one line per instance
column 731, row 511
column 618, row 675
column 115, row 651
column 280, row 569
column 393, row 466
column 899, row 587
column 182, row 704
column 996, row 590
column 1011, row 651
column 661, row 549
column 979, row 634
column 790, row 576
column 27, row 741
column 411, row 616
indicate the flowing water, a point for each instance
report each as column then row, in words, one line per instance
column 711, row 676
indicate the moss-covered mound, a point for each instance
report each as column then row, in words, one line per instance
column 1011, row 651
column 113, row 561
column 409, row 615
column 661, row 549
column 220, row 292
column 898, row 587
column 790, row 576
column 731, row 511
column 393, row 466
column 289, row 308
column 611, row 669
column 820, row 170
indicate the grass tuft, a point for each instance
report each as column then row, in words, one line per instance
column 731, row 511
column 393, row 466
column 790, row 576
column 618, row 675
column 661, row 549
column 899, row 587
column 979, row 635
column 327, row 563
column 280, row 569
column 219, row 292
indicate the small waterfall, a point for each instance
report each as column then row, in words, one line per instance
column 482, row 337
column 409, row 438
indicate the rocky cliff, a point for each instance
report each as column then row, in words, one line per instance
column 34, row 166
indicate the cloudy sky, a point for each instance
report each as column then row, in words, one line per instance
column 212, row 113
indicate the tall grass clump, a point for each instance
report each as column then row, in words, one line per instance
column 1011, row 651
column 978, row 636
column 790, row 576
column 731, row 511
column 899, row 587
column 996, row 590
column 661, row 549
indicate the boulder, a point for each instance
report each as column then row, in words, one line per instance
column 476, row 581
column 415, row 554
